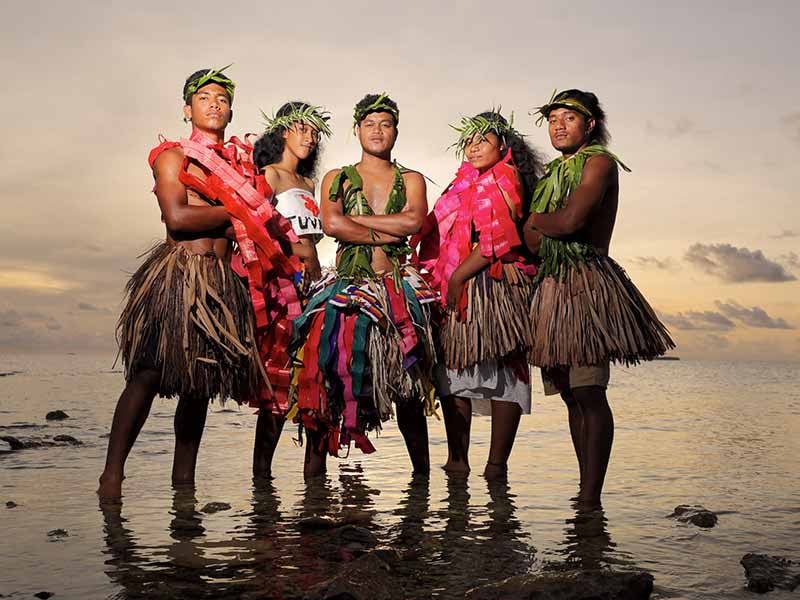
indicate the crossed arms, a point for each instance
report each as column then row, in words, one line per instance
column 375, row 230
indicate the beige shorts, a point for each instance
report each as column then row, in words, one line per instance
column 563, row 379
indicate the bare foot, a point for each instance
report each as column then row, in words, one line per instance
column 110, row 487
column 456, row 466
column 494, row 471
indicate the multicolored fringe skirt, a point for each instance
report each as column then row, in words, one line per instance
column 594, row 314
column 189, row 316
column 361, row 345
column 496, row 321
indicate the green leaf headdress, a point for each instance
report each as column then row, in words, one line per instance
column 560, row 100
column 315, row 116
column 379, row 105
column 212, row 76
column 479, row 126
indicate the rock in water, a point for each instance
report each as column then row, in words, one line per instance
column 696, row 515
column 569, row 585
column 11, row 504
column 57, row 534
column 13, row 442
column 214, row 507
column 5, row 447
column 353, row 534
column 56, row 415
column 36, row 442
column 766, row 573
column 67, row 439
column 43, row 595
column 317, row 522
column 369, row 577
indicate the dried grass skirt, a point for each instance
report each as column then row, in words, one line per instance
column 594, row 314
column 497, row 320
column 190, row 317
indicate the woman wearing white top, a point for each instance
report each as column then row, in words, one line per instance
column 287, row 153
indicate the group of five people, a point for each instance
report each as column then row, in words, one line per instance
column 510, row 269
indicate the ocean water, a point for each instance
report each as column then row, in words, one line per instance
column 724, row 435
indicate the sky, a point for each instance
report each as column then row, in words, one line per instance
column 699, row 96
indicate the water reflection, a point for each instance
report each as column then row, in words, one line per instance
column 506, row 551
column 477, row 544
column 587, row 543
column 180, row 570
column 123, row 563
column 270, row 554
column 266, row 515
column 412, row 510
column 140, row 576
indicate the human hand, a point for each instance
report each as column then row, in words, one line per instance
column 455, row 288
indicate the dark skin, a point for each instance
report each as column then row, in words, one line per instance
column 377, row 134
column 483, row 152
column 193, row 223
column 299, row 142
column 589, row 215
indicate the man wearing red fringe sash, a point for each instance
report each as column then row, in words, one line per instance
column 586, row 312
column 191, row 328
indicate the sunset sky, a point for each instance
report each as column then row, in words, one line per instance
column 701, row 98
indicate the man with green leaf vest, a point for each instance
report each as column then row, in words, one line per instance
column 586, row 312
column 363, row 345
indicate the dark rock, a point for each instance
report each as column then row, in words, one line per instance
column 33, row 442
column 56, row 415
column 22, row 425
column 12, row 441
column 696, row 515
column 43, row 595
column 766, row 573
column 569, row 585
column 11, row 504
column 369, row 577
column 68, row 439
column 355, row 517
column 353, row 537
column 311, row 523
column 214, row 507
column 347, row 542
column 57, row 534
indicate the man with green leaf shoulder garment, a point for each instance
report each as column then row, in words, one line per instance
column 586, row 311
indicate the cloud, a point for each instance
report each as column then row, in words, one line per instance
column 693, row 320
column 681, row 127
column 651, row 262
column 25, row 279
column 792, row 122
column 736, row 265
column 12, row 319
column 754, row 316
column 86, row 307
column 786, row 233
column 716, row 342
column 791, row 259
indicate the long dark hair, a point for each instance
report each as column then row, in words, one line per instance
column 268, row 149
column 528, row 161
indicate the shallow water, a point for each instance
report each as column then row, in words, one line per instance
column 723, row 435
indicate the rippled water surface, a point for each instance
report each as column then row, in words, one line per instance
column 723, row 435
